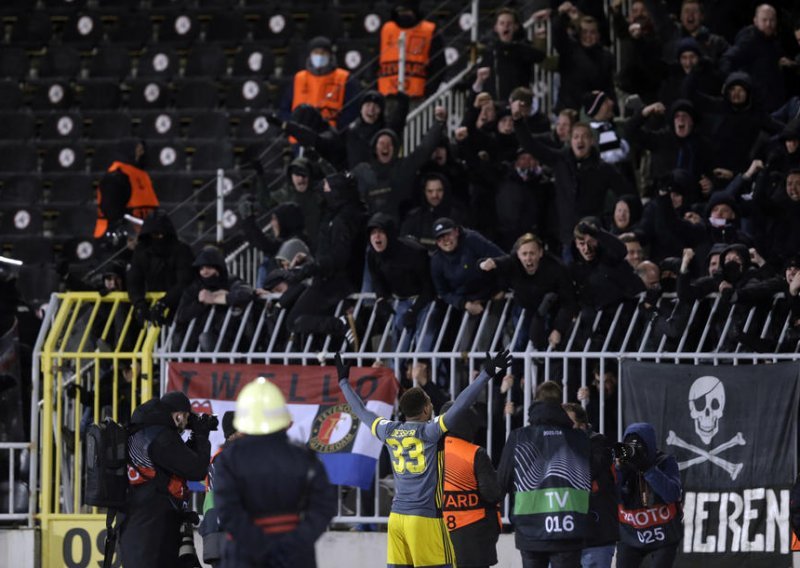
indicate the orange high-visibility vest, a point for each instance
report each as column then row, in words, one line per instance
column 141, row 202
column 418, row 48
column 323, row 92
column 462, row 504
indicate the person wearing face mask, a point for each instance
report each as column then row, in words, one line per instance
column 424, row 53
column 159, row 465
column 160, row 263
column 323, row 86
column 582, row 179
column 542, row 287
column 211, row 287
column 584, row 64
column 339, row 261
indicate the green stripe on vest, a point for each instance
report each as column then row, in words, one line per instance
column 551, row 500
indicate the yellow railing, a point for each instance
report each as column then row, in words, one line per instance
column 95, row 343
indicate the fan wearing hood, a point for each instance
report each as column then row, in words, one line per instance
column 339, row 259
column 649, row 478
column 437, row 202
column 777, row 206
column 688, row 58
column 386, row 182
column 350, row 146
column 738, row 121
column 160, row 263
column 159, row 464
column 400, row 270
column 211, row 287
column 582, row 179
column 322, row 85
column 676, row 145
column 785, row 155
column 689, row 26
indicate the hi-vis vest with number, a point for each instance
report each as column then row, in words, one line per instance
column 552, row 483
column 141, row 469
column 650, row 527
column 323, row 92
column 462, row 504
column 418, row 48
column 141, row 202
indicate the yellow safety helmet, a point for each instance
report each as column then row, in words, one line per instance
column 261, row 409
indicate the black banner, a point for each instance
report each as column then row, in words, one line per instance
column 733, row 431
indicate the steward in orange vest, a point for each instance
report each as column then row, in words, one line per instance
column 322, row 85
column 471, row 496
column 124, row 189
column 423, row 48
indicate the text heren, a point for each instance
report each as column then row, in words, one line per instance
column 752, row 520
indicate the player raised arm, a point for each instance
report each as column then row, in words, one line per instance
column 356, row 404
column 493, row 368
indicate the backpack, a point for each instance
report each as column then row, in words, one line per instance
column 106, row 465
column 107, row 475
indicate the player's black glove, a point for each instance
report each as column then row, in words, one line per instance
column 496, row 366
column 342, row 370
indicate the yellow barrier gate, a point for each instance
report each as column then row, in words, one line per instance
column 96, row 361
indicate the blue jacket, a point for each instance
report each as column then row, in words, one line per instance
column 662, row 476
column 457, row 276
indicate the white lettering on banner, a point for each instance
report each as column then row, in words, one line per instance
column 756, row 520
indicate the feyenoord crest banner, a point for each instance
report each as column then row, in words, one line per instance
column 321, row 417
column 733, row 430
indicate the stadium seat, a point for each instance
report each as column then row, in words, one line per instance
column 16, row 7
column 31, row 30
column 14, row 63
column 61, row 125
column 99, row 94
column 64, row 157
column 253, row 126
column 163, row 124
column 51, row 95
column 60, row 61
column 273, row 27
column 109, row 125
column 228, row 29
column 107, row 153
column 211, row 155
column 231, row 182
column 59, row 6
column 186, row 222
column 131, row 30
column 172, row 187
column 17, row 157
column 196, row 94
column 18, row 125
column 324, row 22
column 10, row 95
column 158, row 61
column 110, row 62
column 148, row 94
column 20, row 222
column 206, row 61
column 76, row 221
column 70, row 189
column 253, row 59
column 218, row 4
column 34, row 250
column 83, row 30
column 179, row 29
column 21, row 190
column 36, row 282
column 357, row 57
column 367, row 23
column 165, row 155
column 247, row 94
column 211, row 124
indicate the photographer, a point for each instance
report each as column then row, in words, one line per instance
column 159, row 464
column 650, row 513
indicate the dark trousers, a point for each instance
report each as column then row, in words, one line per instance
column 568, row 559
column 150, row 532
column 629, row 557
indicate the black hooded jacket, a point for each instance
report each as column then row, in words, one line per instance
column 402, row 269
column 386, row 187
column 239, row 293
column 418, row 223
column 776, row 219
column 159, row 264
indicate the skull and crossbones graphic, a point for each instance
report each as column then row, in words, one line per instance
column 706, row 407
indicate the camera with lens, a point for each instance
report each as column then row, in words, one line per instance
column 632, row 452
column 211, row 419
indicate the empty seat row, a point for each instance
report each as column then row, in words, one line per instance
column 100, row 94
column 113, row 125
